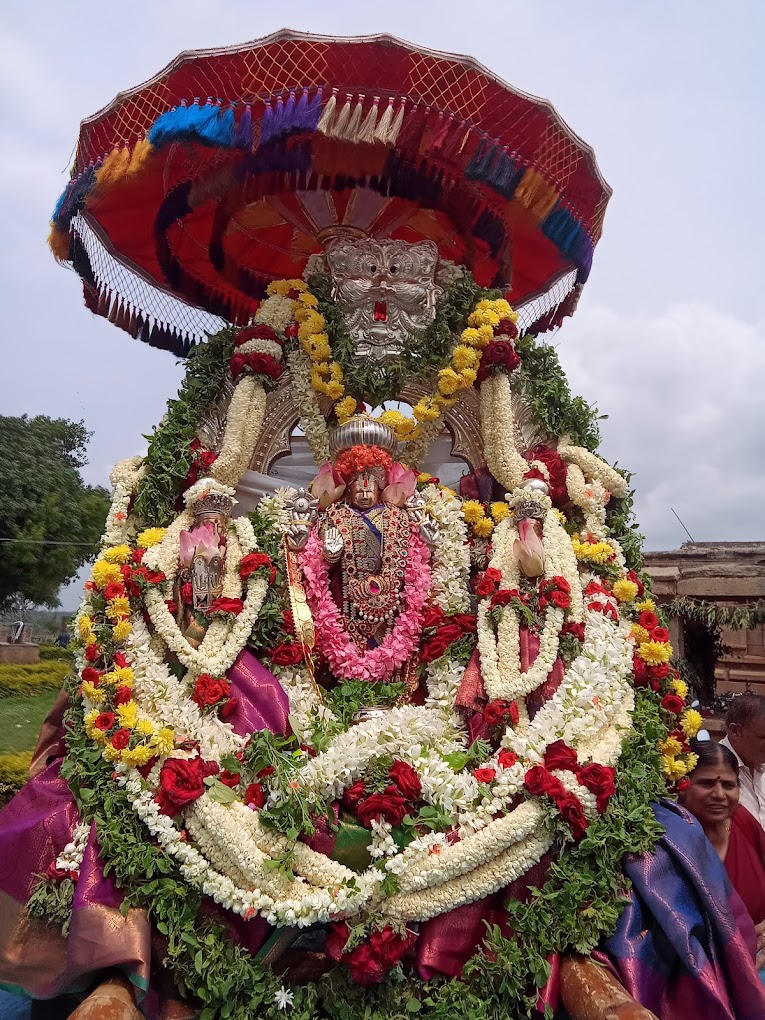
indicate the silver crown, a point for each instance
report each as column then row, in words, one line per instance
column 212, row 500
column 362, row 431
column 528, row 509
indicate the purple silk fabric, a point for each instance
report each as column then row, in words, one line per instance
column 684, row 946
column 261, row 702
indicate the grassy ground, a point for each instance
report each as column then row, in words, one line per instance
column 21, row 718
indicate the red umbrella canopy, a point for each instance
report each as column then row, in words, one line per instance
column 226, row 171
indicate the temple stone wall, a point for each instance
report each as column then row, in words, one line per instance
column 728, row 574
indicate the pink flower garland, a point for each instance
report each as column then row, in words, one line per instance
column 336, row 644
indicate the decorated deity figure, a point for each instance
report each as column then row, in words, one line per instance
column 363, row 540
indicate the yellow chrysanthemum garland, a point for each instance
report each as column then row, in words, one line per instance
column 326, row 374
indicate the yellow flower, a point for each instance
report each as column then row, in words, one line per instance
column 84, row 627
column 312, row 324
column 679, row 686
column 593, row 552
column 122, row 630
column 425, row 410
column 109, row 679
column 640, row 634
column 448, row 382
column 134, row 757
column 128, row 714
column 117, row 554
column 483, row 528
column 111, row 753
column 673, row 768
column 467, row 377
column 95, row 694
column 345, row 408
column 118, row 608
column 105, row 573
column 316, row 347
column 145, row 727
column 691, row 721
column 472, row 511
column 150, row 537
column 163, row 740
column 499, row 511
column 471, row 337
column 335, row 390
column 671, row 746
column 439, row 400
column 625, row 590
column 89, row 718
column 646, row 606
column 560, row 515
column 392, row 419
column 483, row 317
column 283, row 287
column 465, row 357
column 691, row 761
column 655, row 652
column 308, row 299
column 407, row 430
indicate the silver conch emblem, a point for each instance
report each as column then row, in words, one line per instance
column 386, row 288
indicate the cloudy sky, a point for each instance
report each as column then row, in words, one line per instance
column 669, row 338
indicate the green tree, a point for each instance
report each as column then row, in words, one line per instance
column 43, row 499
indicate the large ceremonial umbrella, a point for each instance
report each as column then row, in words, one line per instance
column 190, row 193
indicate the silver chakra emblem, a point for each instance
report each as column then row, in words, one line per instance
column 387, row 290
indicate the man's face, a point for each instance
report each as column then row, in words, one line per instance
column 364, row 491
column 748, row 741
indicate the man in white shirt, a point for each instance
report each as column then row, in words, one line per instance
column 745, row 721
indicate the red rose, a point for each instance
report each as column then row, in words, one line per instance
column 504, row 597
column 485, row 775
column 187, row 593
column 467, row 621
column 599, row 779
column 451, row 631
column 265, row 364
column 236, row 364
column 434, row 648
column 172, row 607
column 181, row 782
column 121, row 660
column 683, row 784
column 228, row 708
column 560, row 599
column 540, row 783
column 390, row 947
column 498, row 354
column 559, row 756
column 574, row 629
column 432, row 617
column 232, row 607
column 354, row 794
column 252, row 562
column 105, row 721
column 56, row 874
column 259, row 332
column 91, row 653
column 506, row 327
column 336, row 940
column 488, row 581
column 640, row 670
column 507, row 758
column 288, row 622
column 673, row 703
column 573, row 814
column 648, row 620
column 406, row 779
column 121, row 739
column 389, row 805
column 556, row 468
column 229, row 779
column 91, row 676
column 137, row 555
column 660, row 634
column 495, row 711
column 660, row 671
column 286, row 655
column 208, row 690
column 632, row 576
column 122, row 695
column 254, row 795
column 114, row 590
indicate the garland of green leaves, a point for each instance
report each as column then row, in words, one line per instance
column 170, row 453
column 713, row 616
column 422, row 354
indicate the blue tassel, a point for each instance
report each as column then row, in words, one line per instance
column 313, row 111
column 168, row 126
column 267, row 123
column 61, row 200
column 225, row 128
column 214, row 127
column 75, row 199
column 243, row 134
column 202, row 119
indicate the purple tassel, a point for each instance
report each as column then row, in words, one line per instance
column 288, row 121
column 266, row 128
column 278, row 121
column 299, row 123
column 313, row 112
column 243, row 134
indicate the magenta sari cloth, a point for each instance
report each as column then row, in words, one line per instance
column 36, row 826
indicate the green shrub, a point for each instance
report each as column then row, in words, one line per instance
column 14, row 772
column 40, row 676
column 55, row 653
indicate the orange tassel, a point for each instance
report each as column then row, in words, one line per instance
column 59, row 243
column 141, row 153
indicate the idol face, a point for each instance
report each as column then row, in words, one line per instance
column 364, row 492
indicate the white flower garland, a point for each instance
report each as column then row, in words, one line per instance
column 243, row 422
column 124, row 478
column 450, row 562
column 498, row 431
column 70, row 858
column 312, row 421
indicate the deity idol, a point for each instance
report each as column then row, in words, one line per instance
column 327, row 739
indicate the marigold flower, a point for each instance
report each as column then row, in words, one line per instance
column 691, row 722
column 163, row 740
column 465, row 357
column 646, row 606
column 117, row 554
column 335, row 390
column 640, row 634
column 122, row 630
column 128, row 714
column 472, row 511
column 150, row 537
column 283, row 287
column 484, row 527
column 145, row 727
column 426, row 410
column 134, row 757
column 345, row 408
column 308, row 299
column 625, row 590
column 93, row 693
column 84, row 626
column 679, row 686
column 448, row 382
column 673, row 768
column 670, row 747
column 499, row 511
column 118, row 608
column 105, row 573
column 654, row 652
